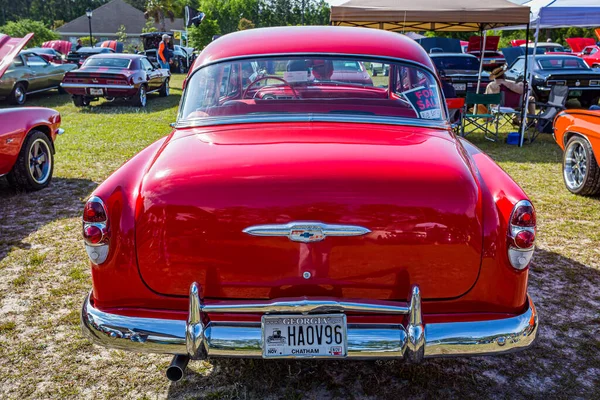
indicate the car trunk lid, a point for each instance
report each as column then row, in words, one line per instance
column 411, row 187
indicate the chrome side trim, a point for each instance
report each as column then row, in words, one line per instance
column 306, row 231
column 94, row 85
column 367, row 341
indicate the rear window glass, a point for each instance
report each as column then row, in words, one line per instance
column 107, row 62
column 562, row 63
column 316, row 85
column 456, row 63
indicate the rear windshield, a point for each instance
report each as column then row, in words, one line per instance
column 562, row 63
column 107, row 62
column 317, row 85
column 458, row 63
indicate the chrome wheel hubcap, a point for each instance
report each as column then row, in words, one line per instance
column 40, row 162
column 19, row 94
column 143, row 96
column 575, row 166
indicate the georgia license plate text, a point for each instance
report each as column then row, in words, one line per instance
column 304, row 336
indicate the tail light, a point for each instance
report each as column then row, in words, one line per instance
column 521, row 235
column 95, row 230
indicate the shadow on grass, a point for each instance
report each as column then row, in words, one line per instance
column 543, row 150
column 564, row 360
column 122, row 106
column 51, row 99
column 22, row 213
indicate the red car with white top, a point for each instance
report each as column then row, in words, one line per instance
column 290, row 217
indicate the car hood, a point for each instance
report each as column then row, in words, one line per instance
column 9, row 48
column 578, row 44
column 63, row 46
column 475, row 43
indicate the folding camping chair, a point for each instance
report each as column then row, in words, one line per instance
column 455, row 110
column 544, row 119
column 476, row 121
column 511, row 106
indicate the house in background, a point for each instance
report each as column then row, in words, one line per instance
column 106, row 21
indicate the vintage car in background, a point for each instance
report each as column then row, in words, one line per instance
column 79, row 56
column 350, row 71
column 116, row 76
column 549, row 48
column 549, row 70
column 336, row 221
column 462, row 71
column 115, row 45
column 62, row 46
column 591, row 56
column 27, row 146
column 24, row 73
column 577, row 132
column 492, row 58
column 578, row 44
column 48, row 54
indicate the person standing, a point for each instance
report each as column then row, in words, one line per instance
column 79, row 45
column 164, row 53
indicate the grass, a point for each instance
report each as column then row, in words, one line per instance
column 45, row 277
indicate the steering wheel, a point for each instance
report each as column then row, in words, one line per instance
column 263, row 78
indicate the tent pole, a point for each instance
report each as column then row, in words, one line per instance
column 481, row 56
column 529, row 75
column 525, row 111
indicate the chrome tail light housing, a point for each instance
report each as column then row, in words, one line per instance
column 95, row 230
column 521, row 235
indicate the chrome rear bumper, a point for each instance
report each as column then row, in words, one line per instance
column 413, row 341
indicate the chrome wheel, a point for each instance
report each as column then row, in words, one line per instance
column 143, row 98
column 40, row 161
column 167, row 89
column 20, row 94
column 575, row 166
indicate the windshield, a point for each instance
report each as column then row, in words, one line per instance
column 457, row 63
column 107, row 62
column 318, row 85
column 562, row 63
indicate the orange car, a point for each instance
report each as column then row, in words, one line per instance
column 577, row 132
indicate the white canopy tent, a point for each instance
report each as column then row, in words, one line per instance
column 547, row 14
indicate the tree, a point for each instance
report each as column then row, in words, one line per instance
column 149, row 27
column 200, row 36
column 85, row 41
column 20, row 28
column 122, row 34
column 245, row 24
column 159, row 10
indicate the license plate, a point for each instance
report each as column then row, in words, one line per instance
column 575, row 93
column 460, row 86
column 313, row 336
column 96, row 92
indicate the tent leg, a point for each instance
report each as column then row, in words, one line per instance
column 481, row 56
column 529, row 77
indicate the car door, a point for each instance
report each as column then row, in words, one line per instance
column 153, row 74
column 36, row 73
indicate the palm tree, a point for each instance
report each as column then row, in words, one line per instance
column 159, row 10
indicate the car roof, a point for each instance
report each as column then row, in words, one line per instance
column 544, row 44
column 292, row 40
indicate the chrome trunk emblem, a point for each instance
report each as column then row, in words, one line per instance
column 306, row 232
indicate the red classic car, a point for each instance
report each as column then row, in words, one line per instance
column 492, row 58
column 27, row 145
column 127, row 76
column 290, row 217
column 591, row 56
column 577, row 132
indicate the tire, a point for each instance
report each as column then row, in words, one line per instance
column 141, row 98
column 581, row 172
column 35, row 163
column 61, row 90
column 164, row 89
column 18, row 94
column 80, row 101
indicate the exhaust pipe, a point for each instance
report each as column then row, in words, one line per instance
column 176, row 370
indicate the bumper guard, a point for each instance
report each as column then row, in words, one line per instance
column 200, row 339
